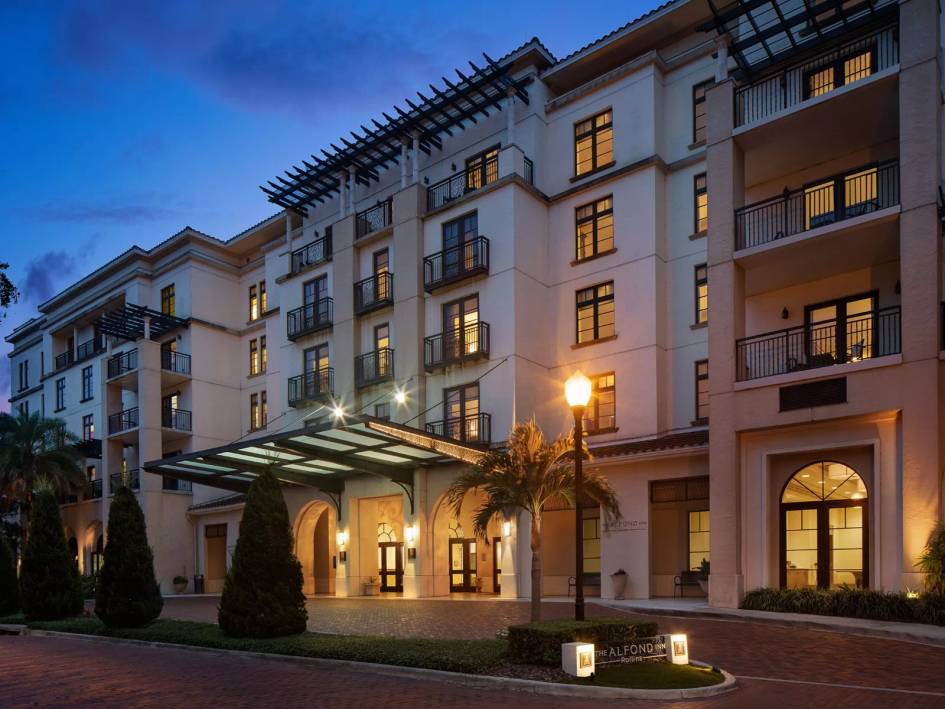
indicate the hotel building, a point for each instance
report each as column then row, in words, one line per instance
column 435, row 277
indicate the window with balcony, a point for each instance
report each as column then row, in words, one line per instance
column 702, row 293
column 700, row 203
column 60, row 394
column 482, row 169
column 594, row 225
column 593, row 143
column 595, row 313
column 461, row 413
column 168, row 301
column 702, row 391
column 88, row 427
column 839, row 71
column 86, row 383
column 460, row 334
column 699, row 111
column 600, row 412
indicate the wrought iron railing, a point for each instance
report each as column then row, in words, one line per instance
column 456, row 263
column 464, row 182
column 319, row 251
column 133, row 478
column 833, row 199
column 93, row 489
column 122, row 363
column 311, row 386
column 454, row 346
column 90, row 348
column 826, row 72
column 378, row 217
column 529, row 172
column 123, row 420
column 821, row 344
column 373, row 367
column 309, row 318
column 475, row 428
column 177, row 362
column 66, row 359
column 177, row 419
column 374, row 292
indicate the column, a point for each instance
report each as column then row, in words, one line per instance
column 416, row 158
column 351, row 187
column 510, row 117
column 342, row 194
column 403, row 163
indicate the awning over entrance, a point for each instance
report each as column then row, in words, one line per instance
column 320, row 457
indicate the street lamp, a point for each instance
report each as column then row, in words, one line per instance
column 577, row 390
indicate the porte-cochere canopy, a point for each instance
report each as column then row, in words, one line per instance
column 824, row 481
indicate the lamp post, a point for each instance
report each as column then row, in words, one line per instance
column 577, row 390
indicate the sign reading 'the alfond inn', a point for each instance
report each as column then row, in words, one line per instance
column 673, row 648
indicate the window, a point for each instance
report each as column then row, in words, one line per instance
column 702, row 293
column 88, row 427
column 315, row 359
column 702, row 391
column 591, row 538
column 253, row 303
column 24, row 408
column 482, row 169
column 382, row 411
column 594, row 224
column 461, row 412
column 840, row 72
column 593, row 143
column 595, row 313
column 698, row 538
column 60, row 394
column 253, row 357
column 263, row 358
column 168, row 301
column 315, row 290
column 599, row 415
column 263, row 409
column 253, row 412
column 699, row 111
column 262, row 298
column 700, row 203
column 215, row 531
column 24, row 373
column 86, row 383
column 381, row 269
column 461, row 328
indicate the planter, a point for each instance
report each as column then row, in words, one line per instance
column 180, row 587
column 371, row 589
column 620, row 585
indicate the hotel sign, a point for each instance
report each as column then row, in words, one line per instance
column 672, row 648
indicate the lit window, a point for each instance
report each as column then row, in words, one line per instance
column 591, row 538
column 839, row 72
column 262, row 297
column 593, row 143
column 253, row 303
column 600, row 413
column 263, row 358
column 702, row 390
column 168, row 301
column 595, row 313
column 699, row 111
column 88, row 427
column 482, row 169
column 594, row 224
column 263, row 409
column 702, row 293
column 698, row 538
column 253, row 412
column 253, row 357
column 700, row 203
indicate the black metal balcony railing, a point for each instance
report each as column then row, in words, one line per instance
column 475, row 428
column 93, row 489
column 122, row 363
column 374, row 293
column 821, row 344
column 456, row 263
column 469, row 180
column 311, row 386
column 133, row 478
column 177, row 419
column 123, row 420
column 378, row 217
column 319, row 251
column 454, row 346
column 309, row 318
column 177, row 362
column 90, row 348
column 374, row 367
column 66, row 359
column 826, row 72
column 850, row 194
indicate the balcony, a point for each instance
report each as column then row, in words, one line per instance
column 456, row 346
column 64, row 360
column 374, row 219
column 818, row 76
column 90, row 348
column 176, row 419
column 474, row 429
column 374, row 293
column 855, row 193
column 311, row 387
column 133, row 476
column 456, row 263
column 374, row 367
column 92, row 490
column 123, row 421
column 462, row 183
column 317, row 252
column 122, row 363
column 821, row 344
column 175, row 366
column 309, row 318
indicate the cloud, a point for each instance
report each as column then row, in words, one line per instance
column 45, row 272
column 107, row 213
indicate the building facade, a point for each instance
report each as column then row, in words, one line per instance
column 446, row 270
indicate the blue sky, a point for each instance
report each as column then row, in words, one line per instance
column 123, row 121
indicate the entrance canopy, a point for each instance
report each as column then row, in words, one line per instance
column 320, row 457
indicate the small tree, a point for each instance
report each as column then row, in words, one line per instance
column 932, row 561
column 127, row 595
column 262, row 594
column 49, row 582
column 9, row 590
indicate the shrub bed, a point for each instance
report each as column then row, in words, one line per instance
column 539, row 643
column 849, row 603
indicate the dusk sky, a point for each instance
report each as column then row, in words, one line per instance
column 123, row 121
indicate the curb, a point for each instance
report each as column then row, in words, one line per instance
column 486, row 682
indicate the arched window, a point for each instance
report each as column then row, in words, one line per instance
column 824, row 530
column 456, row 529
column 386, row 533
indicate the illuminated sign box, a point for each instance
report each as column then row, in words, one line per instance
column 577, row 659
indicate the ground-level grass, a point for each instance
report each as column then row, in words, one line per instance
column 653, row 675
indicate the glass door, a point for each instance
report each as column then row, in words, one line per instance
column 459, row 251
column 463, row 576
column 381, row 268
column 391, row 566
column 840, row 330
column 800, row 547
column 315, row 369
column 461, row 412
column 460, row 331
column 381, row 345
column 846, row 547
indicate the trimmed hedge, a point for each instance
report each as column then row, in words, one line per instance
column 539, row 643
column 849, row 603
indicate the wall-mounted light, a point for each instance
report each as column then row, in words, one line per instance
column 341, row 538
column 506, row 529
column 410, row 534
column 785, row 314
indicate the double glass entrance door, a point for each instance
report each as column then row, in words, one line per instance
column 391, row 566
column 463, row 576
column 824, row 545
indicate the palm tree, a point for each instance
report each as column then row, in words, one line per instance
column 32, row 449
column 528, row 475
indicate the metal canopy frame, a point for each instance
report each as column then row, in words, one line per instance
column 765, row 32
column 320, row 457
column 127, row 322
column 449, row 108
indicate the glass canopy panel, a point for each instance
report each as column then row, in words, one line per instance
column 256, row 460
column 271, row 453
column 321, row 442
column 208, row 466
column 307, row 469
column 412, row 452
column 385, row 457
column 352, row 437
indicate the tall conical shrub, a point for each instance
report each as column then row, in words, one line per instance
column 50, row 587
column 262, row 594
column 127, row 595
column 9, row 589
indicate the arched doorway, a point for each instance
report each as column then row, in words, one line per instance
column 93, row 548
column 824, row 528
column 315, row 547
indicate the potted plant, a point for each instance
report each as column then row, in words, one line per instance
column 619, row 579
column 180, row 584
column 704, row 575
column 372, row 587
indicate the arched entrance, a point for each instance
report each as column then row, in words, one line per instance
column 824, row 528
column 315, row 547
column 93, row 546
column 73, row 543
column 463, row 563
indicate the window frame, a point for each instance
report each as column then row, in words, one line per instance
column 254, row 411
column 593, row 134
column 87, row 384
column 595, row 302
column 60, row 394
column 592, row 422
column 698, row 378
column 253, row 357
column 168, row 301
column 698, row 192
column 88, row 427
column 263, row 355
column 253, row 303
column 698, row 281
column 698, row 101
column 690, row 532
column 594, row 219
column 262, row 298
column 480, row 166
